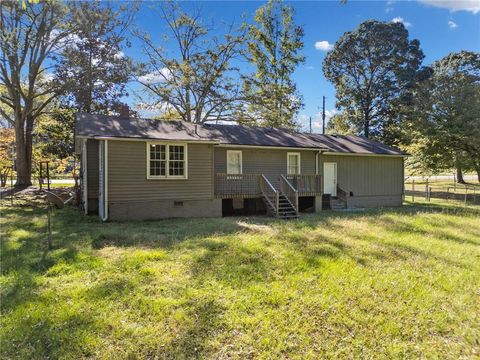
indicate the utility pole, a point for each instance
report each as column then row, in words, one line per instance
column 323, row 116
column 310, row 124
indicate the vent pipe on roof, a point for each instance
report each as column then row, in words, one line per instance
column 196, row 129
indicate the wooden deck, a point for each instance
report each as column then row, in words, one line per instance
column 249, row 185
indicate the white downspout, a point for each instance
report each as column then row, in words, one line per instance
column 84, row 177
column 105, row 185
column 316, row 161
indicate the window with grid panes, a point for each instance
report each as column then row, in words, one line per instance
column 166, row 161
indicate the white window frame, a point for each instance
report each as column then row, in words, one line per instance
column 167, row 154
column 299, row 162
column 241, row 160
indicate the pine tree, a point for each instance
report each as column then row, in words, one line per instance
column 92, row 68
column 274, row 46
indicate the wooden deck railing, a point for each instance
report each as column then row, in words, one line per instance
column 269, row 192
column 289, row 191
column 307, row 185
column 241, row 185
column 250, row 185
column 342, row 194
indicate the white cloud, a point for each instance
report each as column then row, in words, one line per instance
column 399, row 19
column 155, row 77
column 317, row 124
column 472, row 6
column 388, row 10
column 323, row 45
column 119, row 55
column 452, row 24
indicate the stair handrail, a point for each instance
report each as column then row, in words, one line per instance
column 342, row 194
column 289, row 191
column 269, row 187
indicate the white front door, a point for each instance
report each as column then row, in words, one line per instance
column 330, row 178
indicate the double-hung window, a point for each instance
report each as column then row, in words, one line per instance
column 234, row 162
column 293, row 163
column 165, row 161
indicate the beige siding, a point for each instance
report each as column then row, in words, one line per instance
column 270, row 162
column 92, row 168
column 368, row 175
column 127, row 175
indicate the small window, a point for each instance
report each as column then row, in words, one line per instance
column 293, row 163
column 234, row 162
column 178, row 203
column 158, row 160
column 176, row 164
column 166, row 161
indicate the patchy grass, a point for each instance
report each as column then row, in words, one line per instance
column 389, row 283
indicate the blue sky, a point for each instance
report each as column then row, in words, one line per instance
column 442, row 26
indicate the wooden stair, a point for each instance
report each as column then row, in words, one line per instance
column 337, row 203
column 333, row 203
column 286, row 210
column 282, row 201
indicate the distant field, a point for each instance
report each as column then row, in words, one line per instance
column 387, row 283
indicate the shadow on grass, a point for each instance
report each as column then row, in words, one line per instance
column 192, row 340
column 43, row 333
column 228, row 261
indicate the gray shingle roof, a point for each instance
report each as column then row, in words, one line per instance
column 354, row 144
column 92, row 126
column 88, row 125
column 260, row 136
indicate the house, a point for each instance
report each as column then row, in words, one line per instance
column 150, row 169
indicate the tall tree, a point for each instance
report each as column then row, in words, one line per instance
column 93, row 69
column 372, row 68
column 30, row 34
column 446, row 116
column 54, row 135
column 195, row 80
column 274, row 48
column 339, row 124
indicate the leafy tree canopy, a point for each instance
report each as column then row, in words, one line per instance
column 445, row 121
column 197, row 79
column 274, row 48
column 92, row 68
column 372, row 67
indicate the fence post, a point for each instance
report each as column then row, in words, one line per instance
column 40, row 178
column 11, row 187
column 48, row 177
column 426, row 191
column 49, row 226
column 465, row 195
column 413, row 190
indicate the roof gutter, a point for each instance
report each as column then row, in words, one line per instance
column 364, row 154
column 147, row 139
column 271, row 147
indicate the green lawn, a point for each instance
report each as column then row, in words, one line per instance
column 391, row 283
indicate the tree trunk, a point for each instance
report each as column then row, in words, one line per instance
column 458, row 167
column 23, row 163
column 476, row 166
column 366, row 125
